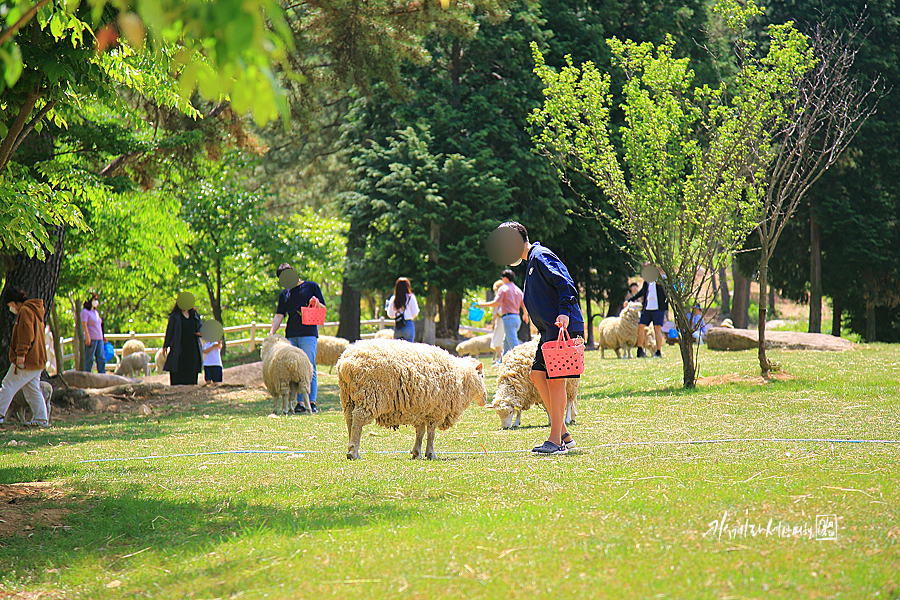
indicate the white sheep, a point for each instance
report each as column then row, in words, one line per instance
column 620, row 332
column 132, row 346
column 395, row 382
column 384, row 334
column 160, row 360
column 134, row 363
column 727, row 324
column 476, row 346
column 516, row 392
column 329, row 349
column 649, row 340
column 286, row 372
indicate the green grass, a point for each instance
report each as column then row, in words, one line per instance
column 622, row 522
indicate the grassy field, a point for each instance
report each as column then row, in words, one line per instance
column 635, row 521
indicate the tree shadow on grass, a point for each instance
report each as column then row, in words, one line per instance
column 105, row 530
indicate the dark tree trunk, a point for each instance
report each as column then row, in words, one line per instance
column 764, row 366
column 740, row 302
column 685, row 341
column 723, row 289
column 815, row 273
column 588, row 321
column 349, row 311
column 772, row 303
column 837, row 310
column 870, row 320
column 57, row 344
column 38, row 279
column 451, row 309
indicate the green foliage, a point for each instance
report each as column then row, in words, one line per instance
column 686, row 184
column 423, row 215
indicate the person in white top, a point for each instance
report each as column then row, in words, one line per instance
column 403, row 308
column 655, row 307
column 212, row 361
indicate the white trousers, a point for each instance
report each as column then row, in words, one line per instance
column 29, row 383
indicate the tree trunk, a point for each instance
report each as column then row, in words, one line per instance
column 815, row 273
column 12, row 136
column 685, row 341
column 837, row 309
column 772, row 302
column 588, row 322
column 38, row 279
column 57, row 344
column 78, row 337
column 740, row 302
column 723, row 289
column 451, row 309
column 349, row 310
column 431, row 310
column 870, row 320
column 764, row 366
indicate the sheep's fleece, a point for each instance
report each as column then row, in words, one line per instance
column 160, row 360
column 384, row 334
column 516, row 392
column 134, row 363
column 620, row 332
column 395, row 382
column 476, row 346
column 132, row 346
column 329, row 349
column 286, row 372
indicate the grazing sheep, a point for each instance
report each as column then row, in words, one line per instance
column 476, row 346
column 384, row 334
column 134, row 363
column 329, row 349
column 727, row 324
column 20, row 408
column 160, row 359
column 620, row 332
column 395, row 382
column 132, row 346
column 516, row 392
column 649, row 340
column 286, row 372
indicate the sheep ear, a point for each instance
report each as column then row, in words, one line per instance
column 479, row 366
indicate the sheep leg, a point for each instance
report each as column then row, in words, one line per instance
column 417, row 447
column 307, row 404
column 429, row 449
column 618, row 352
column 359, row 420
column 518, row 420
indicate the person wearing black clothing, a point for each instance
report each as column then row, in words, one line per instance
column 654, row 309
column 305, row 337
column 184, row 360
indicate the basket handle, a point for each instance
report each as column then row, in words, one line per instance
column 314, row 302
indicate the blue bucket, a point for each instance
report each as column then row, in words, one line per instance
column 476, row 313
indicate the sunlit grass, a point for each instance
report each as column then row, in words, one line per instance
column 629, row 521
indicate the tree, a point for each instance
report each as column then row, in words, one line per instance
column 694, row 156
column 424, row 216
column 829, row 110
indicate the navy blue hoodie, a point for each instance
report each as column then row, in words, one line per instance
column 550, row 292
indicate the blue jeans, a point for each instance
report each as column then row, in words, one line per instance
column 407, row 332
column 92, row 352
column 511, row 324
column 309, row 344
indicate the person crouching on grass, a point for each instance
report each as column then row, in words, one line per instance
column 551, row 300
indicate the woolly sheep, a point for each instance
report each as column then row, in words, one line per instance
column 384, row 334
column 134, row 363
column 20, row 408
column 727, row 324
column 475, row 347
column 286, row 372
column 620, row 332
column 395, row 382
column 649, row 340
column 329, row 349
column 516, row 392
column 132, row 346
column 160, row 359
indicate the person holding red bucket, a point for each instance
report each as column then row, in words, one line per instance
column 551, row 300
column 301, row 330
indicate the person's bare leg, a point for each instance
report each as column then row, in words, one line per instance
column 657, row 331
column 640, row 340
column 552, row 390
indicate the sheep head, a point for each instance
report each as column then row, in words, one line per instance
column 474, row 383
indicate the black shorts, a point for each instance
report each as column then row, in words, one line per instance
column 540, row 365
column 212, row 373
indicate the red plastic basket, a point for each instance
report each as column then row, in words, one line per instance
column 314, row 314
column 565, row 356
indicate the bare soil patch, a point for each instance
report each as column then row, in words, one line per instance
column 23, row 508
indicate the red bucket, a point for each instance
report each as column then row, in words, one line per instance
column 565, row 356
column 314, row 314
